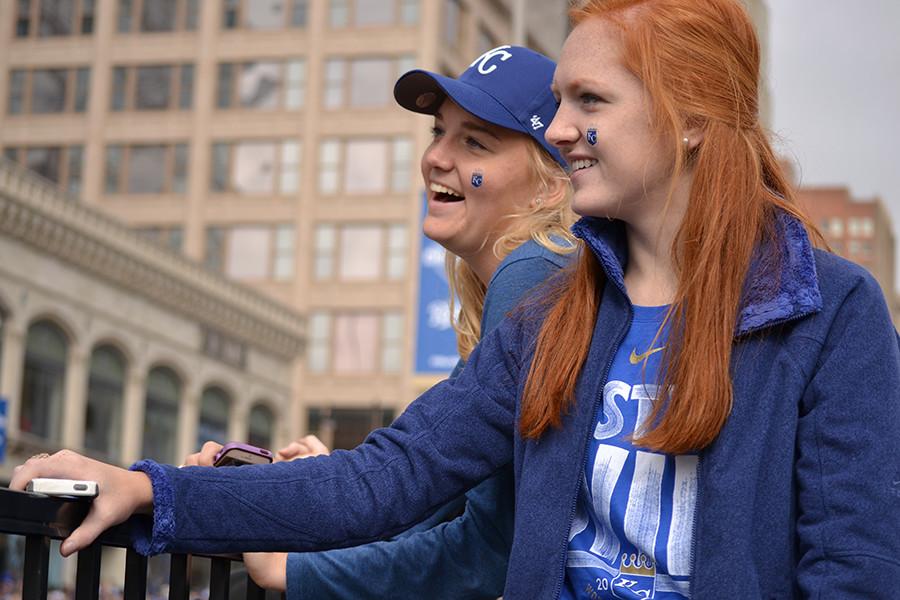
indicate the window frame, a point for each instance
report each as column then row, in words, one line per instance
column 170, row 166
column 70, row 95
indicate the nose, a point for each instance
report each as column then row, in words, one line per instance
column 562, row 131
column 437, row 156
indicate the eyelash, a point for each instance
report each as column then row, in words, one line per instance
column 588, row 98
column 471, row 142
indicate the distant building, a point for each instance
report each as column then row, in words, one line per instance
column 261, row 138
column 121, row 349
column 859, row 230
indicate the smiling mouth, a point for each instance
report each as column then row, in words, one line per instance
column 444, row 194
column 580, row 165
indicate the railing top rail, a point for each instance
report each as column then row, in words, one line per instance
column 23, row 513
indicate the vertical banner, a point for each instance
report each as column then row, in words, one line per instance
column 435, row 339
column 2, row 430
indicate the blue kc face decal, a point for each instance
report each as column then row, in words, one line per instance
column 477, row 179
column 591, row 136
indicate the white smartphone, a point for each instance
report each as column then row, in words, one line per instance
column 63, row 487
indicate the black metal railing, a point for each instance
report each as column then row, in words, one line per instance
column 41, row 519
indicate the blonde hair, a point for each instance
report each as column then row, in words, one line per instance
column 546, row 222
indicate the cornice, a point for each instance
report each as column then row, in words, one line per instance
column 36, row 212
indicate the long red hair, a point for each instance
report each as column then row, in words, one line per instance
column 699, row 62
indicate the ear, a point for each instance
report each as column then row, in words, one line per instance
column 693, row 131
column 552, row 193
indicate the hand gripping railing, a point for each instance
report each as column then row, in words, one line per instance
column 40, row 519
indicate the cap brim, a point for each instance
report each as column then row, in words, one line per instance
column 424, row 92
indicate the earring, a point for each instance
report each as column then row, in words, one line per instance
column 538, row 201
column 687, row 143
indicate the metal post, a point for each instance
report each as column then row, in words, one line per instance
column 135, row 576
column 87, row 577
column 220, row 579
column 37, row 567
column 180, row 577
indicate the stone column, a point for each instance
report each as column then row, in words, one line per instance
column 133, row 415
column 75, row 399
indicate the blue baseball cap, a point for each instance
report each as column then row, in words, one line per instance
column 508, row 86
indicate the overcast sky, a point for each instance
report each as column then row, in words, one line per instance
column 835, row 82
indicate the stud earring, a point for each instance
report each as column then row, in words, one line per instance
column 687, row 142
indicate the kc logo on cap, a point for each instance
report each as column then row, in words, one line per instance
column 482, row 60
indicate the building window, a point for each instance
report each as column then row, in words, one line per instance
column 161, row 415
column 48, row 91
column 43, row 382
column 157, row 16
column 171, row 237
column 261, row 431
column 836, row 227
column 358, row 343
column 251, row 252
column 486, row 40
column 146, row 169
column 318, row 341
column 361, row 252
column 452, row 22
column 106, row 391
column 860, row 227
column 152, row 87
column 264, row 14
column 370, row 165
column 215, row 406
column 392, row 327
column 51, row 18
column 346, row 428
column 256, row 167
column 62, row 165
column 262, row 85
column 372, row 13
column 366, row 82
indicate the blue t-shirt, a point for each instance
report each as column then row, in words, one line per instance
column 633, row 528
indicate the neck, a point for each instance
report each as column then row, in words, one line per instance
column 650, row 277
column 484, row 264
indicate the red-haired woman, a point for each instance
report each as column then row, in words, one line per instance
column 706, row 408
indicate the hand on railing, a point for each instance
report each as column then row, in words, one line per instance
column 122, row 493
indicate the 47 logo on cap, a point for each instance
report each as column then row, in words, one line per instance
column 482, row 60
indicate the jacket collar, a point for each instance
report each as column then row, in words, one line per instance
column 774, row 291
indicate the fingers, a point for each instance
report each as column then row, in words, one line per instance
column 205, row 457
column 62, row 464
column 305, row 447
column 314, row 446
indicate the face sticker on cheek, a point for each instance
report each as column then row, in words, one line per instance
column 477, row 179
column 591, row 136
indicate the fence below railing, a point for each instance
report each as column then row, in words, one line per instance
column 41, row 519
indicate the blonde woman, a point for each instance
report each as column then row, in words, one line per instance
column 498, row 201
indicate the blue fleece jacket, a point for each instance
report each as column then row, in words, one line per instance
column 465, row 557
column 799, row 495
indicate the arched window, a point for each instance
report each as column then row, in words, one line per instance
column 214, row 409
column 161, row 415
column 43, row 382
column 261, row 425
column 103, row 415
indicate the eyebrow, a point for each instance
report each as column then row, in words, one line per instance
column 473, row 126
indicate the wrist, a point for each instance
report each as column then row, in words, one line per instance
column 142, row 488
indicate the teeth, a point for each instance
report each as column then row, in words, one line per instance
column 440, row 189
column 582, row 164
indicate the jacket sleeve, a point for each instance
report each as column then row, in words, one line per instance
column 848, row 464
column 463, row 558
column 455, row 435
